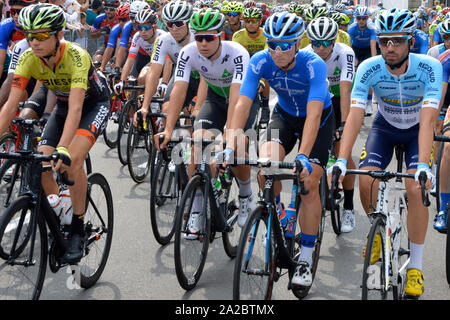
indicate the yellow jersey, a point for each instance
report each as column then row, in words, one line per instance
column 252, row 44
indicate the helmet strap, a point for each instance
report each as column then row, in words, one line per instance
column 218, row 47
column 184, row 38
column 286, row 67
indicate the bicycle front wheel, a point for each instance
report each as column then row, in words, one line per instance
column 231, row 238
column 111, row 132
column 139, row 152
column 99, row 222
column 22, row 274
column 254, row 269
column 191, row 248
column 124, row 127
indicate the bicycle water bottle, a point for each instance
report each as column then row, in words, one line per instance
column 331, row 161
column 66, row 205
column 290, row 214
column 55, row 204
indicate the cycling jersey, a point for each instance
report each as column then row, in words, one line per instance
column 114, row 35
column 420, row 43
column 9, row 32
column 73, row 70
column 361, row 38
column 252, row 44
column 127, row 34
column 138, row 44
column 400, row 99
column 444, row 58
column 101, row 21
column 229, row 68
column 340, row 66
column 16, row 52
column 295, row 87
column 437, row 38
column 228, row 32
column 436, row 51
column 166, row 45
column 446, row 125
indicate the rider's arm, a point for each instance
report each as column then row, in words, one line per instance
column 8, row 112
column 167, row 71
column 176, row 101
column 151, row 83
column 106, row 57
column 127, row 68
column 121, row 52
column 345, row 90
column 2, row 60
column 202, row 92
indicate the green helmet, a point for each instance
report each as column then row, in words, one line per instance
column 207, row 19
column 224, row 9
column 344, row 19
column 252, row 12
column 225, row 2
column 312, row 13
column 42, row 16
column 235, row 6
column 336, row 16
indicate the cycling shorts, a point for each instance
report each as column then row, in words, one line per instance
column 286, row 130
column 362, row 54
column 214, row 112
column 37, row 101
column 140, row 62
column 382, row 139
column 190, row 94
column 336, row 101
column 92, row 123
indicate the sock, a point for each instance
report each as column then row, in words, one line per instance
column 348, row 199
column 77, row 225
column 307, row 243
column 245, row 187
column 416, row 256
column 445, row 199
column 197, row 205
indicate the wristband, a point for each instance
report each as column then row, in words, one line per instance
column 343, row 160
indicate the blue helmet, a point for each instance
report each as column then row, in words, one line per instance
column 396, row 20
column 284, row 26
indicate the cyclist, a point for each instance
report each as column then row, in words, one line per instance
column 83, row 100
column 223, row 65
column 176, row 15
column 104, row 22
column 234, row 23
column 312, row 13
column 343, row 24
column 253, row 39
column 340, row 60
column 303, row 112
column 343, row 36
column 409, row 91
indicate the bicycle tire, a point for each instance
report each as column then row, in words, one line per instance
column 438, row 174
column 30, row 287
column 139, row 152
column 88, row 164
column 111, row 132
column 124, row 125
column 162, row 216
column 99, row 227
column 7, row 182
column 188, row 276
column 374, row 272
column 250, row 267
column 230, row 238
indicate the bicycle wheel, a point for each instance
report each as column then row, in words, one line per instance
column 231, row 239
column 374, row 268
column 190, row 252
column 438, row 175
column 254, row 269
column 163, row 202
column 21, row 277
column 7, row 144
column 139, row 152
column 10, row 177
column 88, row 164
column 99, row 222
column 124, row 127
column 111, row 132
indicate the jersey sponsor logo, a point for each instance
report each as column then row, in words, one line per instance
column 369, row 72
column 350, row 66
column 239, row 68
column 204, row 69
column 256, row 69
column 226, row 73
column 19, row 82
column 76, row 56
column 157, row 50
column 225, row 59
column 182, row 60
column 17, row 50
column 430, row 70
column 408, row 101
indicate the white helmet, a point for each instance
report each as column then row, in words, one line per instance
column 137, row 6
column 177, row 11
column 322, row 29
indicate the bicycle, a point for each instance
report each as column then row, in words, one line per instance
column 26, row 244
column 264, row 251
column 388, row 226
column 169, row 180
column 218, row 214
column 111, row 132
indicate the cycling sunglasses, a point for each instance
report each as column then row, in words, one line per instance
column 394, row 41
column 251, row 20
column 145, row 27
column 177, row 24
column 281, row 46
column 40, row 36
column 361, row 18
column 232, row 14
column 110, row 9
column 446, row 37
column 207, row 37
column 324, row 43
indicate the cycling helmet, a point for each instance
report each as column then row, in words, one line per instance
column 284, row 26
column 340, row 7
column 22, row 2
column 444, row 27
column 336, row 16
column 322, row 29
column 440, row 18
column 313, row 13
column 396, row 20
column 137, row 6
column 362, row 11
column 111, row 3
column 146, row 16
column 177, row 11
column 344, row 19
column 123, row 11
column 249, row 3
column 235, row 6
column 42, row 16
column 252, row 12
column 207, row 19
column 319, row 4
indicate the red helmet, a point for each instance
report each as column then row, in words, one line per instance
column 22, row 2
column 123, row 11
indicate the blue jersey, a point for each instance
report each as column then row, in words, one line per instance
column 114, row 35
column 361, row 39
column 98, row 20
column 420, row 43
column 444, row 58
column 437, row 36
column 400, row 99
column 9, row 32
column 127, row 34
column 307, row 81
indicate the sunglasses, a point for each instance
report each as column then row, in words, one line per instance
column 40, row 36
column 446, row 37
column 324, row 43
column 145, row 27
column 207, row 37
column 177, row 24
column 232, row 14
column 251, row 20
column 394, row 41
column 110, row 9
column 123, row 19
column 281, row 46
column 14, row 11
column 361, row 18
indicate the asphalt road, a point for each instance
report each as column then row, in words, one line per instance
column 140, row 269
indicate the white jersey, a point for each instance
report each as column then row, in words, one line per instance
column 229, row 68
column 167, row 45
column 139, row 45
column 340, row 66
column 16, row 52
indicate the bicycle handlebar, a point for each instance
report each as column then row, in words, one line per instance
column 441, row 138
